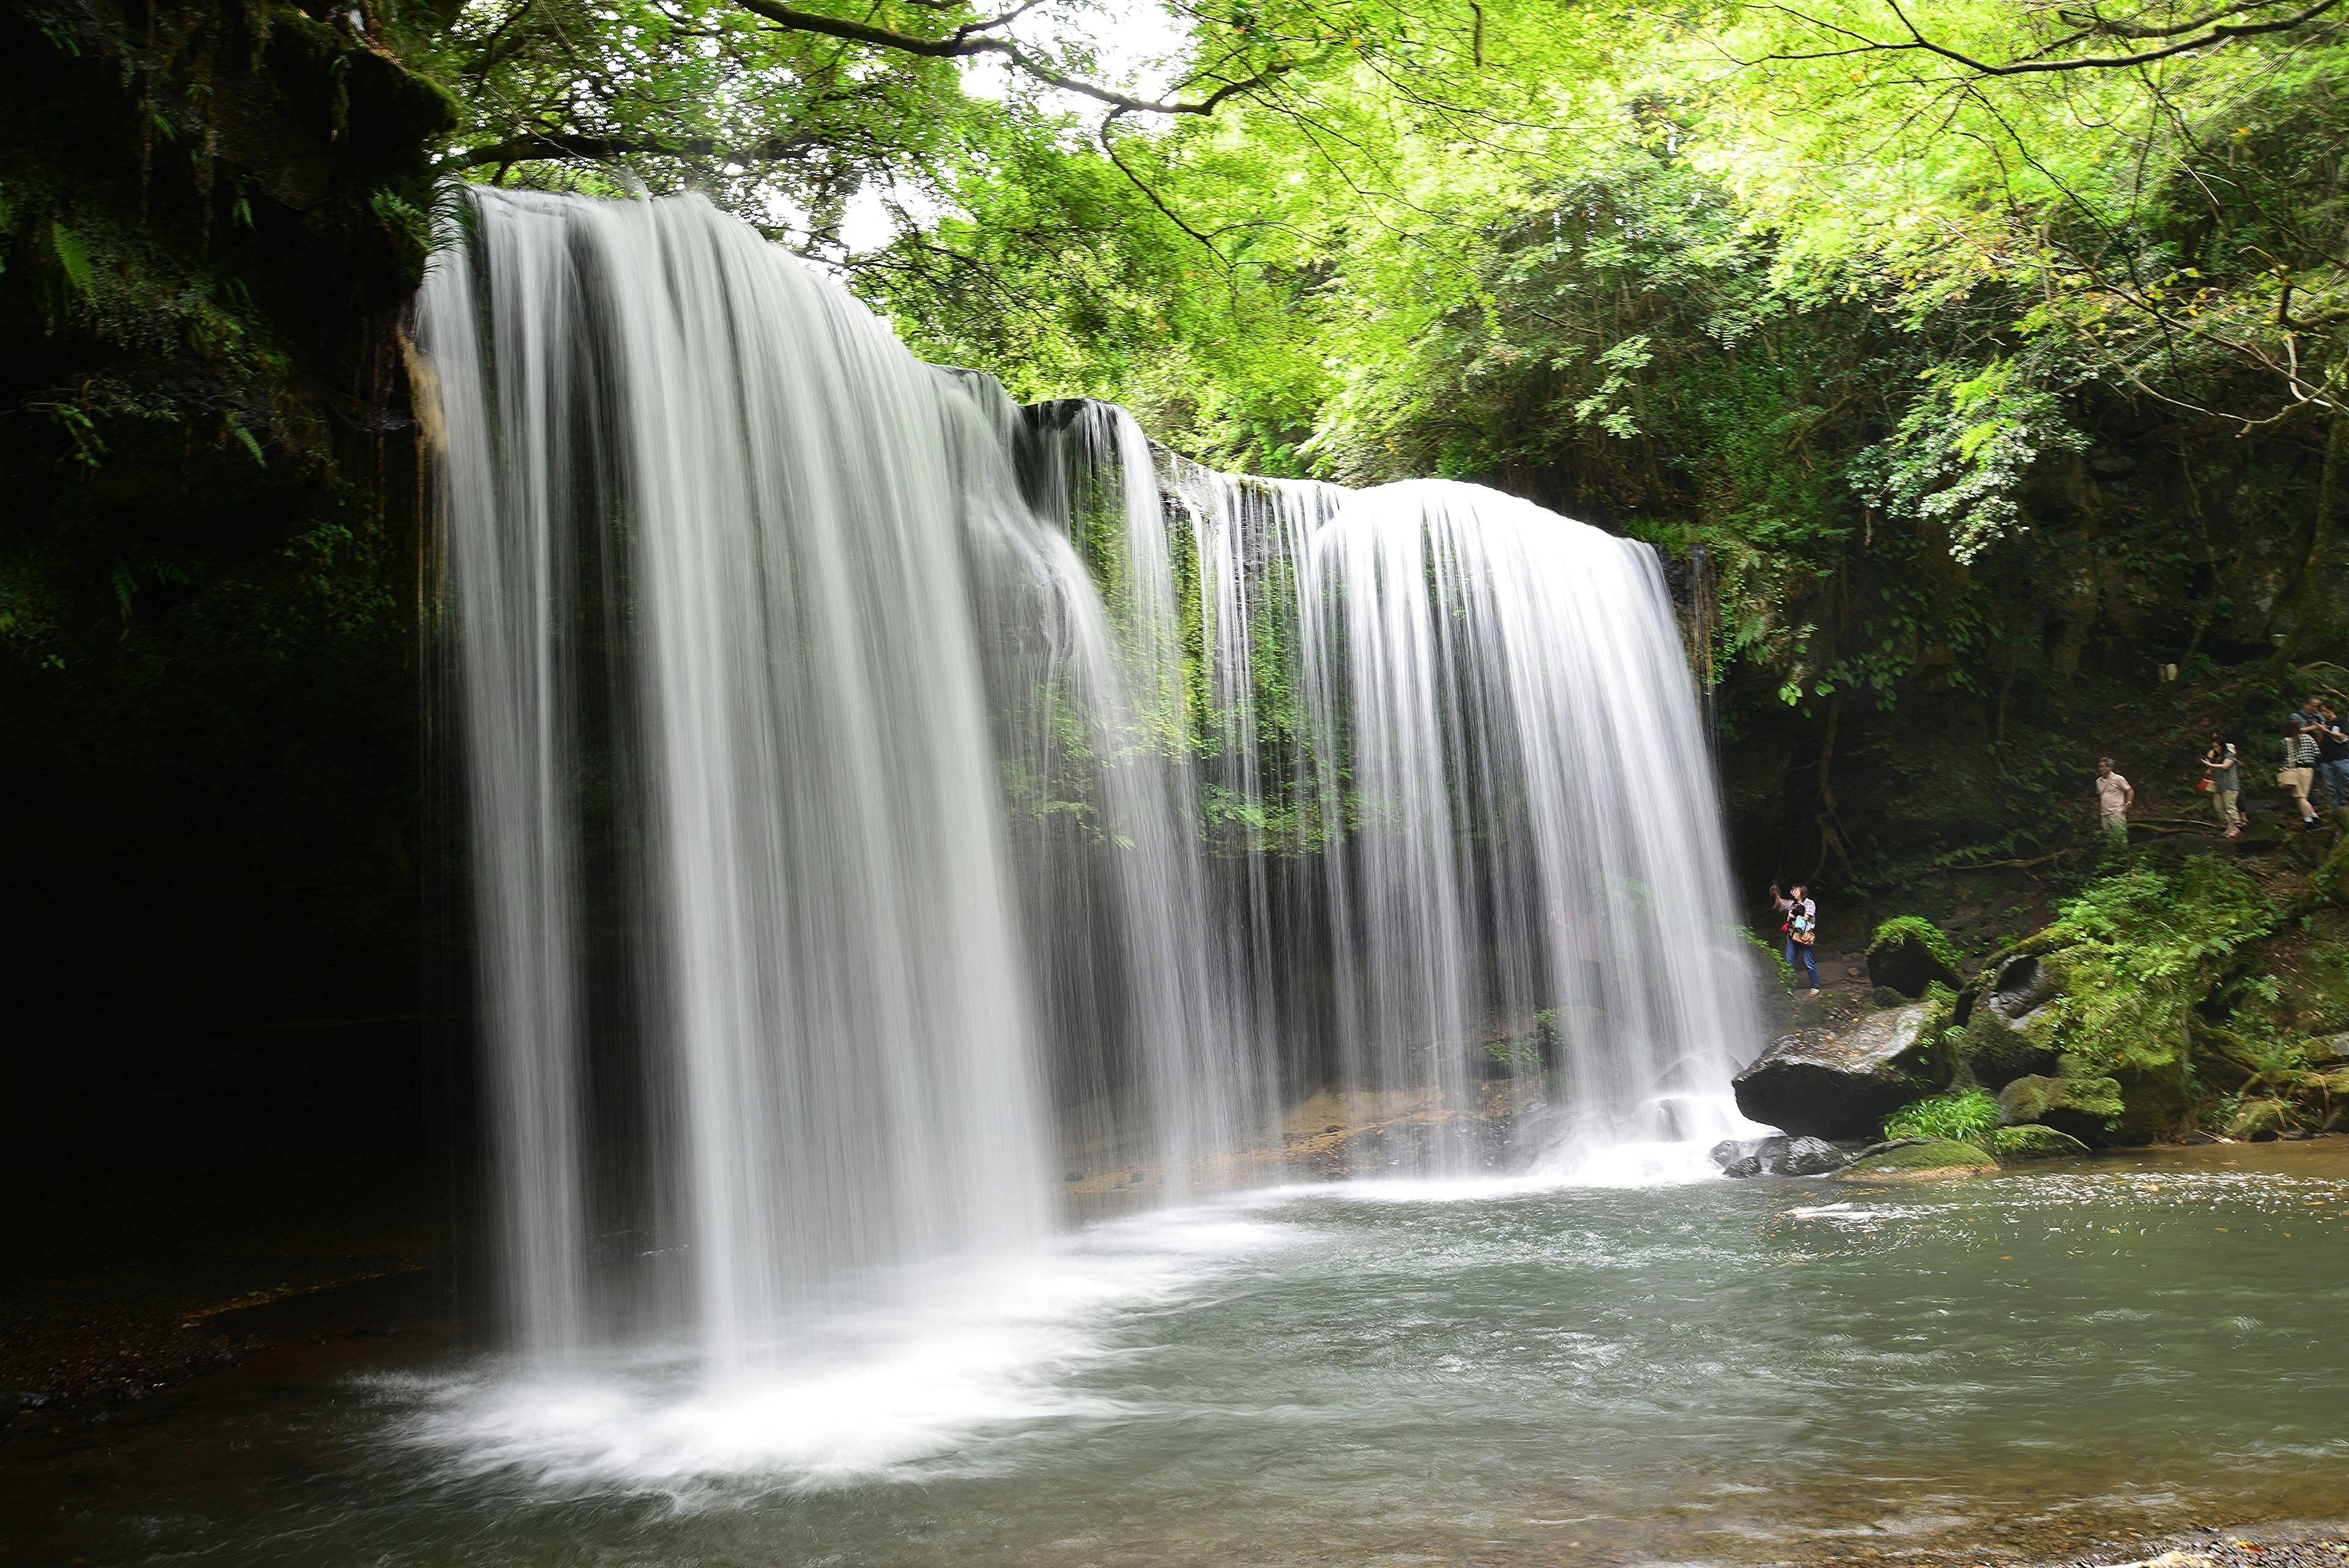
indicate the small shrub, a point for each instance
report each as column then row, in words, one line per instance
column 1515, row 1053
column 1961, row 1115
column 1776, row 955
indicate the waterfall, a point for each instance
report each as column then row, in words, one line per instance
column 889, row 808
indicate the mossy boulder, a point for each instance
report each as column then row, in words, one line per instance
column 1924, row 1159
column 1909, row 954
column 2332, row 872
column 1823, row 1084
column 2153, row 1104
column 2086, row 1108
column 2010, row 1032
column 2033, row 1141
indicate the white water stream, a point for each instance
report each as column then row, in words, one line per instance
column 886, row 804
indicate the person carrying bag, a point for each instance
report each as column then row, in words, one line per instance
column 1800, row 926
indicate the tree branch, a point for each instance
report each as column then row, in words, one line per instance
column 2218, row 34
column 531, row 146
column 969, row 41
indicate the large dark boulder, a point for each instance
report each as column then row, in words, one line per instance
column 1823, row 1084
column 2010, row 1033
column 1910, row 954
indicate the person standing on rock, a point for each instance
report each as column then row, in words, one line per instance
column 1800, row 925
column 2298, row 775
column 2114, row 796
column 2222, row 768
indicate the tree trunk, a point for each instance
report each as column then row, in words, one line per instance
column 2313, row 610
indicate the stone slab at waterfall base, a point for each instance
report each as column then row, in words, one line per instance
column 1817, row 1084
column 1777, row 1157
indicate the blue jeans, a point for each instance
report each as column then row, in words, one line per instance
column 1798, row 959
column 2333, row 778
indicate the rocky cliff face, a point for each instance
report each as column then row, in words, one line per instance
column 211, row 217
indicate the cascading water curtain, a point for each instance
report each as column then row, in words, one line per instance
column 1488, row 743
column 830, row 1023
column 1530, row 872
column 886, row 804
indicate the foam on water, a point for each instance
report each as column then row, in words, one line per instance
column 933, row 1375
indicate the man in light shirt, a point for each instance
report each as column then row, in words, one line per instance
column 2114, row 798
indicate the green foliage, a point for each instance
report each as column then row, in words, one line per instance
column 1965, row 1115
column 1957, row 462
column 2143, row 948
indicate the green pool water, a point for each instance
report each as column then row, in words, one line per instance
column 1738, row 1372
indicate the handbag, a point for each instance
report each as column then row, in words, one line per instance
column 2208, row 784
column 2287, row 778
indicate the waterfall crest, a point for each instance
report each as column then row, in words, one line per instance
column 889, row 808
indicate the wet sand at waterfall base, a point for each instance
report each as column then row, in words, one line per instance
column 2086, row 1361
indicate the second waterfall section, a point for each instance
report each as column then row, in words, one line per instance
column 887, row 807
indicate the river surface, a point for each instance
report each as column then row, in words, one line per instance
column 1493, row 1374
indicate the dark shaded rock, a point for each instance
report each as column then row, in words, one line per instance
column 2263, row 836
column 2033, row 1141
column 1919, row 1159
column 1885, row 996
column 2086, row 1108
column 2153, row 1105
column 1820, row 1084
column 1910, row 954
column 2009, row 1029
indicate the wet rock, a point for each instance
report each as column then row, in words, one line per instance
column 1811, row 1157
column 1910, row 954
column 2010, row 1030
column 2032, row 1141
column 1917, row 1159
column 1742, row 1157
column 1777, row 1156
column 2084, row 1108
column 1822, row 1085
